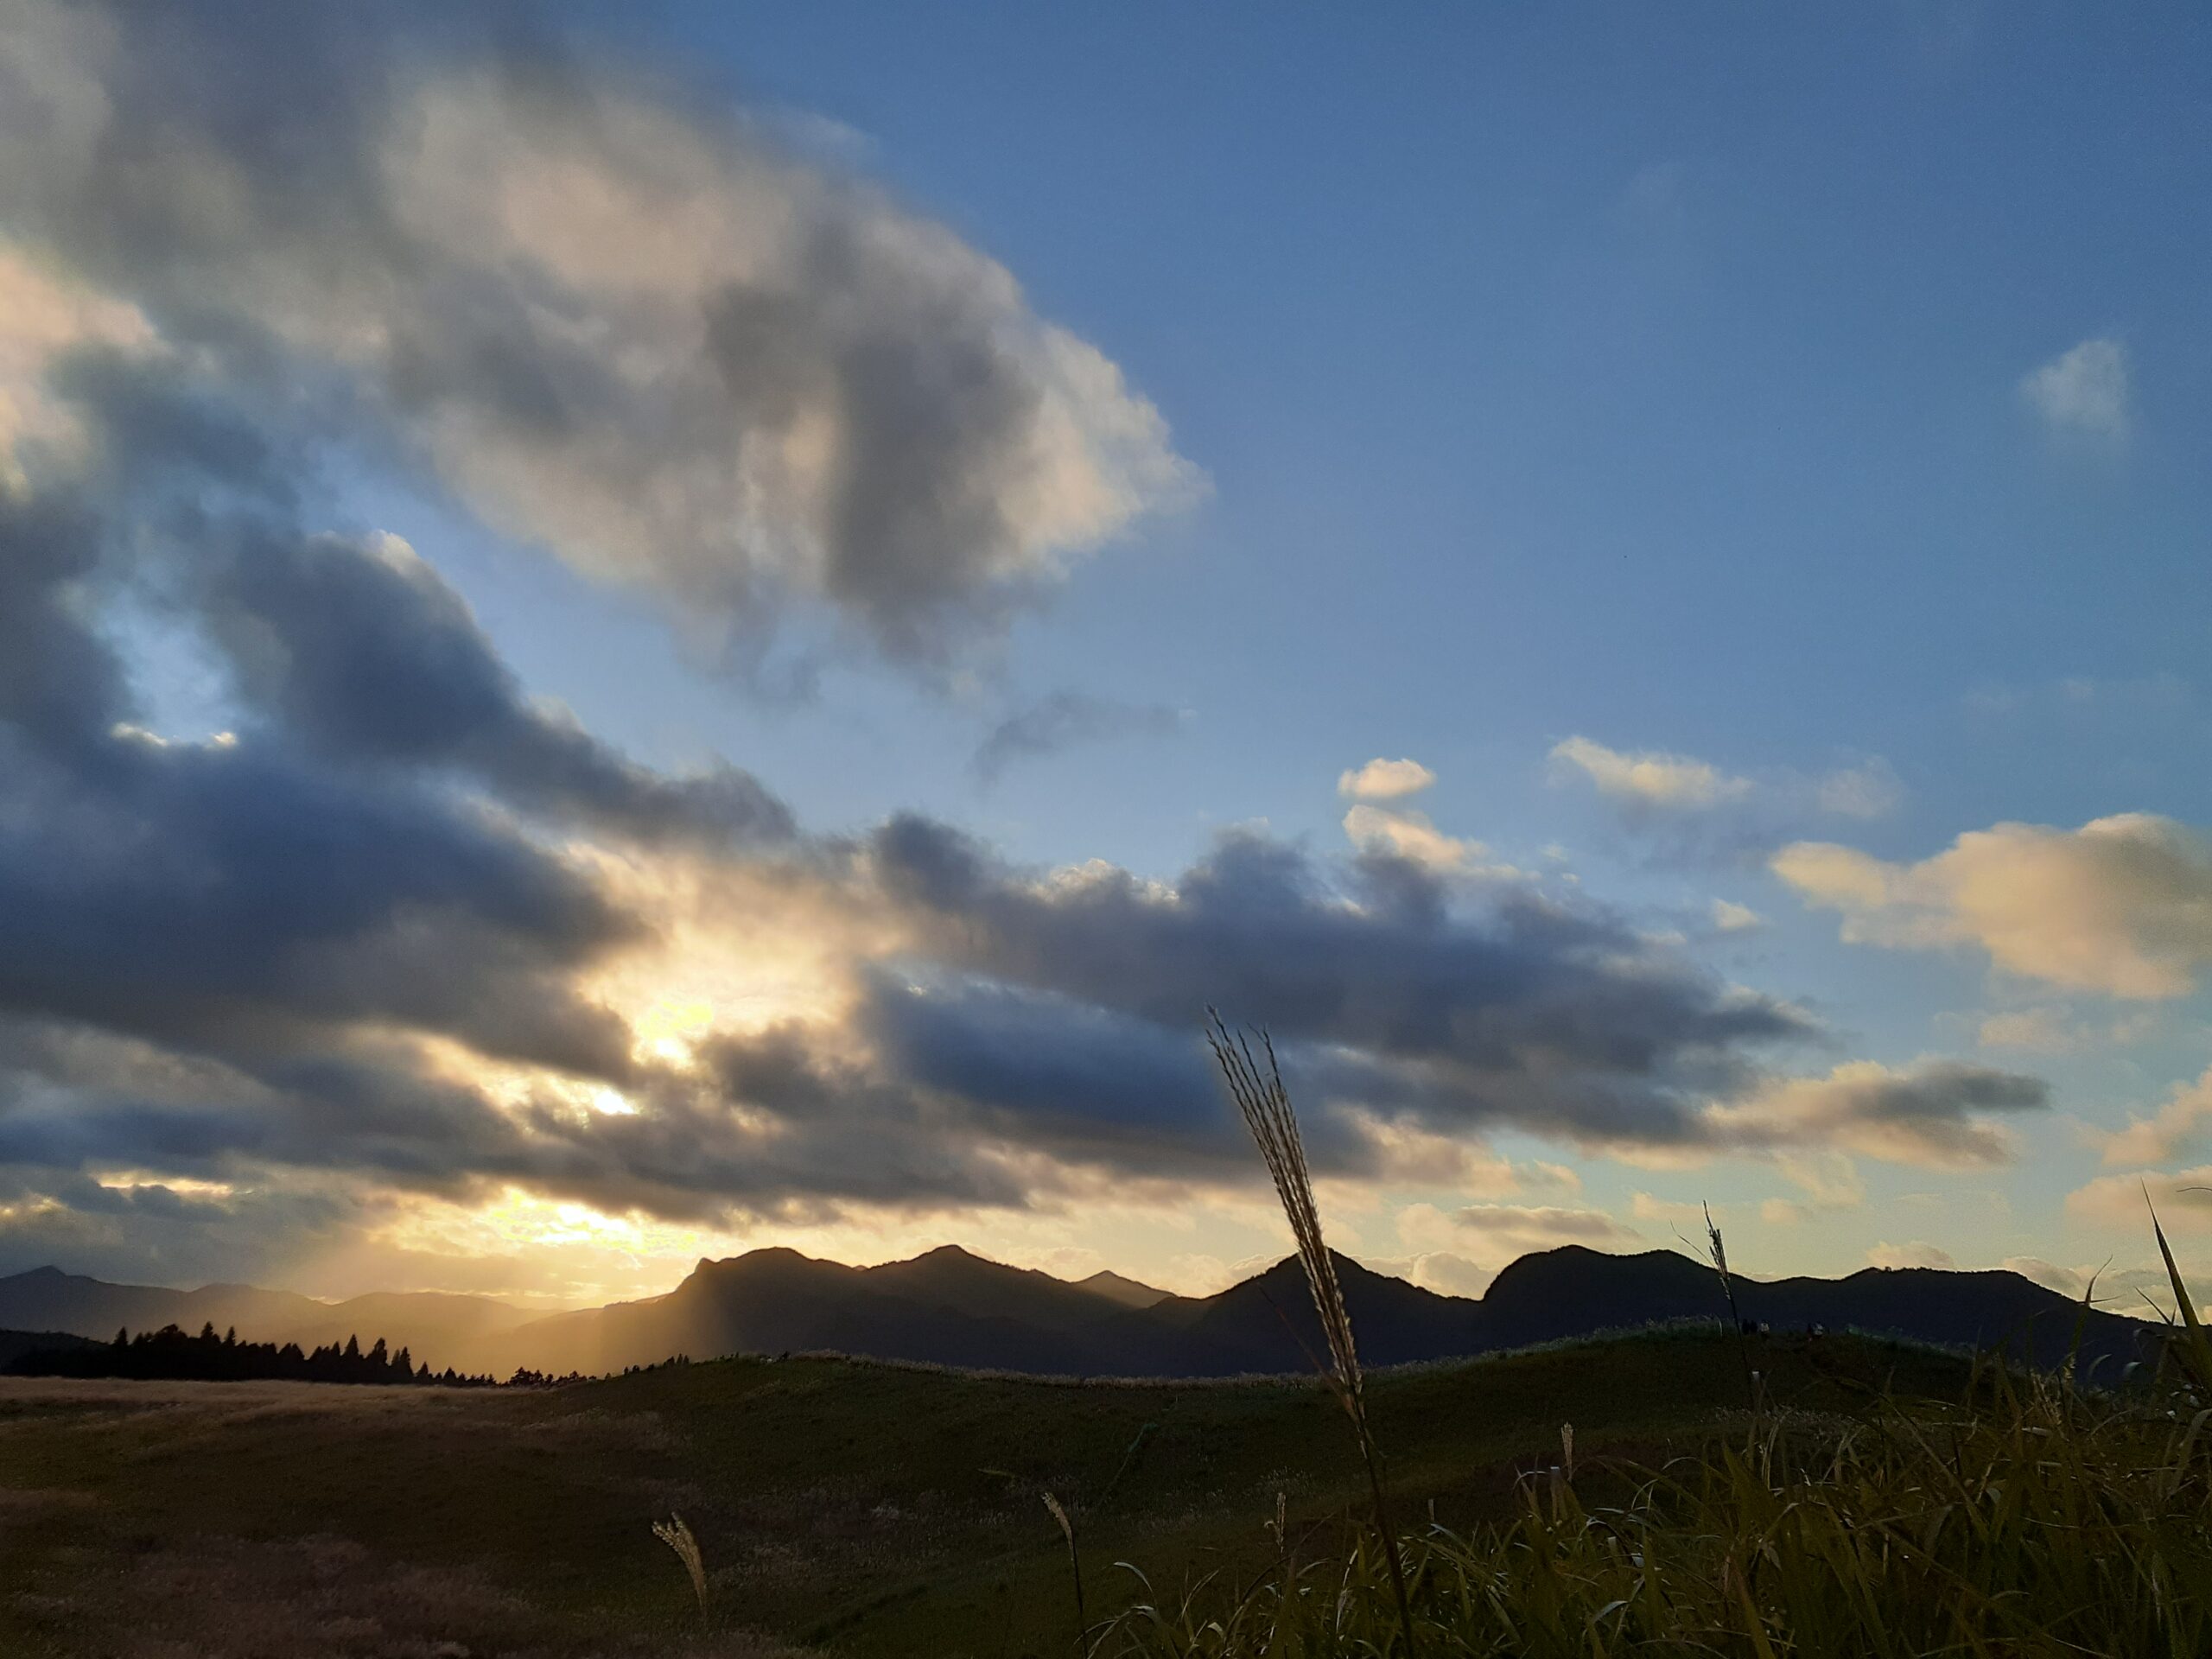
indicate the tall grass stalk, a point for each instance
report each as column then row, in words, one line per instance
column 1265, row 1104
column 1716, row 1252
column 2190, row 1347
column 1074, row 1561
column 676, row 1535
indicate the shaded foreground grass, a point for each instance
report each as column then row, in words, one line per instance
column 2028, row 1521
column 864, row 1509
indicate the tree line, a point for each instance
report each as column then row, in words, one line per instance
column 171, row 1355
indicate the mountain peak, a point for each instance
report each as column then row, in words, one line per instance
column 1119, row 1287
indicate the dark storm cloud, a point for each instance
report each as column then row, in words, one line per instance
column 356, row 647
column 154, row 1234
column 1081, row 1082
column 691, row 1149
column 363, row 653
column 1530, row 1012
column 613, row 324
column 209, row 894
column 1067, row 719
column 58, row 683
column 223, row 893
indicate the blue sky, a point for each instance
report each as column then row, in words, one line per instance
column 1814, row 406
column 1655, row 381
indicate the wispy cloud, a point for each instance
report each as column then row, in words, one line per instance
column 2082, row 391
column 1652, row 786
column 1649, row 778
column 1067, row 719
column 1730, row 917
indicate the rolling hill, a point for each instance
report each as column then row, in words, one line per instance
column 951, row 1307
column 869, row 1511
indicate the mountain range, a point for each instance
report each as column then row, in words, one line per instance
column 951, row 1307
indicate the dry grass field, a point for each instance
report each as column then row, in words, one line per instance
column 840, row 1506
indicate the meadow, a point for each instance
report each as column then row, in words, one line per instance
column 851, row 1507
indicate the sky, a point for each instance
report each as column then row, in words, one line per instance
column 629, row 634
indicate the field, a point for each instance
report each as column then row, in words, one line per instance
column 856, row 1507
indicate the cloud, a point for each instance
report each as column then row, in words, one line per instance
column 1648, row 1206
column 2082, row 391
column 365, row 653
column 2176, row 1129
column 2181, row 1197
column 2043, row 1031
column 1650, row 779
column 1523, row 1011
column 1399, row 1151
column 642, row 337
column 1917, row 1254
column 1729, row 917
column 164, row 1234
column 1411, row 836
column 1066, row 720
column 42, row 315
column 1928, row 1114
column 1869, row 790
column 1649, row 785
column 1384, row 780
column 2122, row 905
column 393, row 930
column 2067, row 1281
column 407, row 935
column 1827, row 1178
column 2140, row 1292
column 1501, row 1231
column 223, row 895
column 1445, row 1272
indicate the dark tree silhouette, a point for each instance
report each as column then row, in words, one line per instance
column 170, row 1354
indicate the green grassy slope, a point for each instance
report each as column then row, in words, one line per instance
column 867, row 1509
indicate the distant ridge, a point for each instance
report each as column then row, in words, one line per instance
column 1128, row 1292
column 952, row 1307
column 431, row 1323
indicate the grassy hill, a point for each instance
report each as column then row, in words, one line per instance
column 864, row 1509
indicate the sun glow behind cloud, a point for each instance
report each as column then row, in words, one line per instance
column 515, row 1009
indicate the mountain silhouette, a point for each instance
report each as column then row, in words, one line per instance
column 952, row 1307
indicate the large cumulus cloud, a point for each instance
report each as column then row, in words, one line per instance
column 615, row 324
column 2122, row 905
